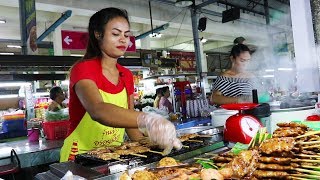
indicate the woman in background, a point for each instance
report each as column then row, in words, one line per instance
column 164, row 101
column 158, row 97
column 57, row 96
column 234, row 85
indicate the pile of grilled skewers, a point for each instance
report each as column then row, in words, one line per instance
column 137, row 148
column 292, row 153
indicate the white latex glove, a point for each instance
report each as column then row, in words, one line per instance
column 160, row 131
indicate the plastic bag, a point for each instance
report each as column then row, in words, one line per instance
column 69, row 176
column 62, row 114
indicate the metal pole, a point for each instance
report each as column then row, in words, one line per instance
column 266, row 11
column 194, row 21
column 151, row 17
column 23, row 27
column 197, row 50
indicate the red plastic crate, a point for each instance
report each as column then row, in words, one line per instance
column 56, row 130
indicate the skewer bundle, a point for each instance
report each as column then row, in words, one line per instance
column 291, row 153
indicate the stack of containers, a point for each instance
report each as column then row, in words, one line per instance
column 14, row 125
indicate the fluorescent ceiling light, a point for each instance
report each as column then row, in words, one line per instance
column 2, row 21
column 5, row 53
column 15, row 84
column 14, row 46
column 41, row 94
column 8, row 96
column 183, row 3
column 269, row 70
column 268, row 76
column 77, row 55
column 284, row 69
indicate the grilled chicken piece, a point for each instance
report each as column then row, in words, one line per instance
column 167, row 161
column 98, row 151
column 270, row 174
column 139, row 149
column 208, row 174
column 221, row 159
column 292, row 125
column 272, row 145
column 275, row 167
column 124, row 151
column 275, row 160
column 144, row 175
column 244, row 164
column 288, row 132
column 186, row 137
column 108, row 156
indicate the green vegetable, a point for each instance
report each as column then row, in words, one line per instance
column 207, row 164
column 238, row 147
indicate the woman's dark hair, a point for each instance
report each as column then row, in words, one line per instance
column 164, row 90
column 97, row 25
column 54, row 92
column 158, row 91
column 239, row 40
column 238, row 49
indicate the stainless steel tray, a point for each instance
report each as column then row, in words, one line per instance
column 215, row 147
column 207, row 130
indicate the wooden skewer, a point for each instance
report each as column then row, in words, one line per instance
column 306, row 160
column 310, row 147
column 309, row 142
column 185, row 146
column 308, row 134
column 139, row 155
column 298, row 178
column 157, row 152
column 308, row 171
column 191, row 140
column 310, row 167
column 118, row 159
column 305, row 175
column 307, row 155
column 211, row 154
column 208, row 136
column 204, row 159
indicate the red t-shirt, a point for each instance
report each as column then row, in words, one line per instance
column 91, row 69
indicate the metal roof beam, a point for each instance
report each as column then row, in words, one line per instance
column 206, row 3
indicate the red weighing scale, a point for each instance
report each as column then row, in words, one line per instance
column 241, row 127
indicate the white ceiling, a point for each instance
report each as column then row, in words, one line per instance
column 178, row 36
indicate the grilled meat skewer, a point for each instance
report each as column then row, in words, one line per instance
column 275, row 160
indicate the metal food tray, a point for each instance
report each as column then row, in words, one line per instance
column 185, row 157
column 109, row 167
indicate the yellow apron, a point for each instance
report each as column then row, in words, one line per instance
column 90, row 134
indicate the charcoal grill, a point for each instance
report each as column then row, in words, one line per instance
column 113, row 168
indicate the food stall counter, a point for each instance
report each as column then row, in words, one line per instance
column 31, row 153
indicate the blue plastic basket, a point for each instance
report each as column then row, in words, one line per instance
column 14, row 125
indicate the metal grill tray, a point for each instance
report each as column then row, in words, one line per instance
column 108, row 167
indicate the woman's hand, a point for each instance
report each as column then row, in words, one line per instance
column 160, row 131
column 245, row 99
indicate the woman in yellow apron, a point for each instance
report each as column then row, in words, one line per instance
column 101, row 93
